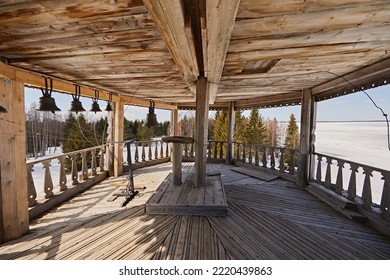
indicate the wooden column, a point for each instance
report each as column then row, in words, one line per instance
column 14, row 197
column 231, row 120
column 174, row 122
column 110, row 141
column 201, row 121
column 308, row 118
column 118, row 138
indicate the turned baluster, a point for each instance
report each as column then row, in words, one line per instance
column 101, row 164
column 281, row 160
column 161, row 149
column 264, row 156
column 339, row 179
column 352, row 181
column 328, row 175
column 385, row 200
column 93, row 163
column 192, row 150
column 136, row 154
column 366, row 193
column 272, row 151
column 128, row 152
column 166, row 149
column 149, row 150
column 221, row 150
column 84, row 166
column 155, row 150
column 32, row 193
column 319, row 168
column 214, row 144
column 62, row 178
column 48, row 182
column 185, row 149
column 257, row 158
column 74, row 171
column 292, row 162
column 143, row 153
column 244, row 152
column 250, row 154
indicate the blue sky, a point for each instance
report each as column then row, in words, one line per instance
column 351, row 107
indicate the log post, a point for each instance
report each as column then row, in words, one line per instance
column 230, row 147
column 201, row 120
column 118, row 138
column 13, row 185
column 174, row 122
column 306, row 139
column 110, row 143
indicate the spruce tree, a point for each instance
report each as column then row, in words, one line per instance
column 291, row 140
column 255, row 131
column 220, row 131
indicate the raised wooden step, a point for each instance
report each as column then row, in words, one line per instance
column 336, row 201
column 256, row 173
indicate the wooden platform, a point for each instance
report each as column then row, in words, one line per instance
column 266, row 220
column 188, row 200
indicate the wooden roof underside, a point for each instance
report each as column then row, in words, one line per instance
column 254, row 52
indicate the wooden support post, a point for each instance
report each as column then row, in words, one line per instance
column 201, row 120
column 306, row 137
column 230, row 147
column 175, row 122
column 118, row 138
column 14, row 195
column 110, row 142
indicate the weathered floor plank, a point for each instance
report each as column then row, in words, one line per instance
column 266, row 220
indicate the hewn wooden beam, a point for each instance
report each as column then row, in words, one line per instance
column 221, row 16
column 168, row 15
column 292, row 98
column 33, row 79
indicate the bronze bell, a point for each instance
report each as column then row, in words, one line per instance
column 95, row 107
column 47, row 104
column 108, row 107
column 76, row 106
column 151, row 118
column 3, row 110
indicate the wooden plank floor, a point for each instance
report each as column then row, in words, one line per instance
column 266, row 220
column 185, row 199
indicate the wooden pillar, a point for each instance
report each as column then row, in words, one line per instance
column 201, row 121
column 13, row 185
column 231, row 120
column 118, row 138
column 175, row 122
column 110, row 142
column 306, row 148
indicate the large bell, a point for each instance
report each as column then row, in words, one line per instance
column 47, row 104
column 151, row 118
column 95, row 107
column 108, row 107
column 76, row 106
column 3, row 110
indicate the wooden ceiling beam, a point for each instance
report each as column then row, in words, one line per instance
column 37, row 80
column 221, row 16
column 168, row 15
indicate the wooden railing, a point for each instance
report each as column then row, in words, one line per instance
column 71, row 169
column 281, row 159
column 368, row 186
column 144, row 153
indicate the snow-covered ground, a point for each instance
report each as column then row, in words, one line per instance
column 364, row 143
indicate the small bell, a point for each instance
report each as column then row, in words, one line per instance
column 47, row 104
column 76, row 106
column 108, row 107
column 95, row 107
column 151, row 118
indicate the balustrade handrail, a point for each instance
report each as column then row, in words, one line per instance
column 353, row 162
column 35, row 161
